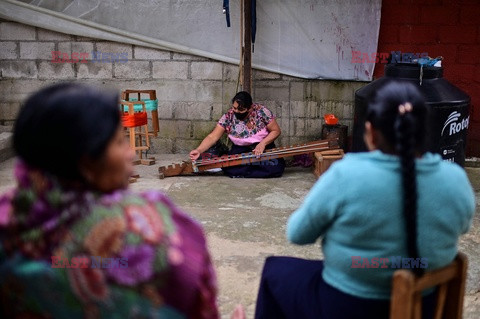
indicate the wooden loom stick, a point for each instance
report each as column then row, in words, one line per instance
column 188, row 168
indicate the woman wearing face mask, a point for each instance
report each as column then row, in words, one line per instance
column 252, row 128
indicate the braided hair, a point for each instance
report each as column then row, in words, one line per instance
column 398, row 111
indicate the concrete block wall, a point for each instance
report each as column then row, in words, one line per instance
column 193, row 92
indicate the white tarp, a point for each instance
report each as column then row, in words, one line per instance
column 304, row 38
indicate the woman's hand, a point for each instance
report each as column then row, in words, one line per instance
column 194, row 154
column 238, row 313
column 258, row 150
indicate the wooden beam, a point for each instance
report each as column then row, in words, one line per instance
column 247, row 43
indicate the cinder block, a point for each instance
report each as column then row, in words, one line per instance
column 206, row 70
column 217, row 111
column 6, row 150
column 49, row 70
column 114, row 47
column 132, row 70
column 188, row 57
column 18, row 69
column 9, row 111
column 165, row 109
column 94, row 70
column 192, row 110
column 17, row 90
column 207, row 91
column 287, row 126
column 270, row 105
column 143, row 53
column 264, row 75
column 49, row 35
column 332, row 90
column 272, row 91
column 201, row 129
column 161, row 145
column 313, row 110
column 230, row 72
column 299, row 127
column 174, row 128
column 313, row 128
column 173, row 91
column 297, row 109
column 228, row 92
column 36, row 50
column 184, row 146
column 8, row 50
column 16, row 31
column 170, row 70
column 277, row 108
column 332, row 107
column 77, row 47
column 297, row 91
column 84, row 39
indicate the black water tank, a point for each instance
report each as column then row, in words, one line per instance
column 449, row 109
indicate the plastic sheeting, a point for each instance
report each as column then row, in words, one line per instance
column 303, row 38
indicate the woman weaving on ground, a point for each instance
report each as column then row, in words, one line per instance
column 74, row 241
column 251, row 128
column 395, row 201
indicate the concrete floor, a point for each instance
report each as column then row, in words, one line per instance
column 245, row 222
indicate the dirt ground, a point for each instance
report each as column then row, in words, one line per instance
column 245, row 222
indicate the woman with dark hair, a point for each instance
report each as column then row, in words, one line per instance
column 391, row 207
column 74, row 241
column 251, row 128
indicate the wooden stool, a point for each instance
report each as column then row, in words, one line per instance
column 323, row 160
column 131, row 120
column 151, row 105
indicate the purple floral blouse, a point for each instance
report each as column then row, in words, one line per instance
column 73, row 254
column 257, row 120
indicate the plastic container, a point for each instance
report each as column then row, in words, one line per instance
column 449, row 109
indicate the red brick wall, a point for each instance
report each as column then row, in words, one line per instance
column 440, row 27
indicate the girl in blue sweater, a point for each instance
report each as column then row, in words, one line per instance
column 395, row 206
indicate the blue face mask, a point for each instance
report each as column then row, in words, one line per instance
column 241, row 116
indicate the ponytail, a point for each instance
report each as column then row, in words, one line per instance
column 398, row 111
column 405, row 148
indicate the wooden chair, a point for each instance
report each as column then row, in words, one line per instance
column 406, row 300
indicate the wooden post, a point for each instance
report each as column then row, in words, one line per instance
column 247, row 43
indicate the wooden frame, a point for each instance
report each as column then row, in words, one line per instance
column 133, row 133
column 152, row 95
column 406, row 300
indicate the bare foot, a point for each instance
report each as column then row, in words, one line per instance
column 238, row 313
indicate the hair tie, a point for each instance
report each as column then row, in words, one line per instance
column 405, row 108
